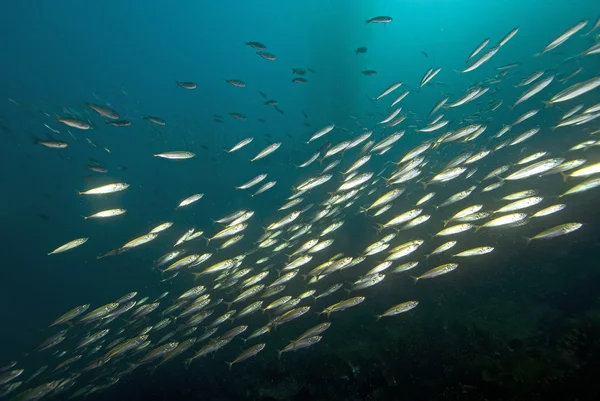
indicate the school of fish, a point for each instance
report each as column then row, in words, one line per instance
column 421, row 203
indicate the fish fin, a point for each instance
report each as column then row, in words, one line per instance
column 564, row 176
column 415, row 279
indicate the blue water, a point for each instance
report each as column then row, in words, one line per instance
column 57, row 56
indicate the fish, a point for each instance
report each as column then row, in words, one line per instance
column 575, row 90
column 69, row 245
column 478, row 48
column 398, row 309
column 429, row 75
column 482, row 250
column 437, row 271
column 508, row 36
column 106, row 213
column 266, row 151
column 248, row 353
column 557, row 231
column 266, row 55
column 155, row 120
column 52, row 144
column 379, row 20
column 189, row 200
column 529, row 93
column 256, row 45
column 176, row 155
column 481, row 60
column 70, row 315
column 240, row 144
column 106, row 189
column 389, row 90
column 252, row 182
column 186, row 85
column 564, row 36
column 535, row 169
column 75, row 123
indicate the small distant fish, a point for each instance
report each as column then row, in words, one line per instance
column 478, row 49
column 398, row 309
column 299, row 71
column 69, row 245
column 119, row 123
column 186, row 85
column 429, row 76
column 369, row 72
column 266, row 55
column 155, row 120
column 256, row 45
column 425, row 54
column 52, row 144
column 361, row 50
column 266, row 151
column 379, row 20
column 106, row 189
column 189, row 200
column 176, row 155
column 240, row 144
column 236, row 82
column 508, row 37
column 75, row 123
column 299, row 80
column 106, row 213
column 104, row 111
column 238, row 116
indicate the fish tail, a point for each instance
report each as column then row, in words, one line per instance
column 279, row 352
column 415, row 279
column 228, row 304
column 477, row 228
column 445, row 222
column 378, row 317
column 230, row 364
column 564, row 176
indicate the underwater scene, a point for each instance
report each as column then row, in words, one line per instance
column 317, row 200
